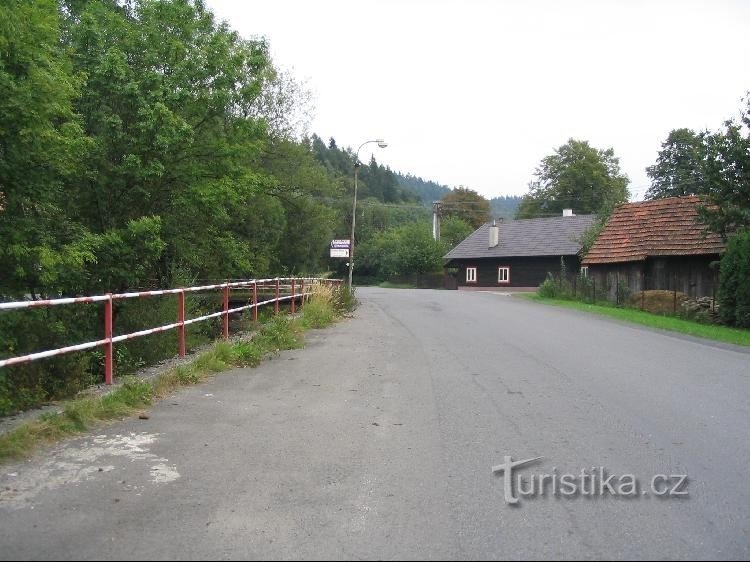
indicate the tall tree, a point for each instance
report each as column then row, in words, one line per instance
column 466, row 204
column 727, row 174
column 174, row 102
column 679, row 167
column 576, row 176
column 425, row 190
column 505, row 206
column 40, row 143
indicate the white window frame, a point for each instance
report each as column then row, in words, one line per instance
column 471, row 274
column 503, row 279
column 584, row 271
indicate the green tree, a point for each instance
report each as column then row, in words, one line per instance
column 302, row 185
column 727, row 175
column 576, row 176
column 419, row 253
column 466, row 204
column 172, row 100
column 505, row 206
column 454, row 230
column 734, row 288
column 679, row 167
column 423, row 190
column 404, row 250
column 40, row 143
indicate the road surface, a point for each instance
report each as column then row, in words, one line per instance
column 378, row 441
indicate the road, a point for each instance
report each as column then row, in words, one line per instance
column 378, row 440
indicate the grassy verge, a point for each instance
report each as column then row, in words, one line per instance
column 712, row 332
column 78, row 415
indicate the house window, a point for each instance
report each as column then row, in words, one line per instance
column 471, row 274
column 503, row 275
column 584, row 271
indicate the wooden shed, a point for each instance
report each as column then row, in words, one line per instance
column 657, row 244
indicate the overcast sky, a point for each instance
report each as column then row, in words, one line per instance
column 476, row 93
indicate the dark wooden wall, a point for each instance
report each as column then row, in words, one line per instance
column 524, row 271
column 692, row 275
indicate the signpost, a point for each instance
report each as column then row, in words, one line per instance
column 340, row 248
column 339, row 252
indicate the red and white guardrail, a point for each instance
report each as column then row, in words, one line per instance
column 296, row 286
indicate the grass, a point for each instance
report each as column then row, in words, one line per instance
column 134, row 395
column 724, row 334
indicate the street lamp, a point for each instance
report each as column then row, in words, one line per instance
column 382, row 144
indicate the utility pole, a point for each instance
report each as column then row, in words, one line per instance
column 436, row 209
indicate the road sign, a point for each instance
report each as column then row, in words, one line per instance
column 341, row 244
column 339, row 252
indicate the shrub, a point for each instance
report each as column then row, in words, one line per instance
column 248, row 354
column 318, row 314
column 734, row 282
column 281, row 332
column 345, row 299
column 556, row 286
column 549, row 288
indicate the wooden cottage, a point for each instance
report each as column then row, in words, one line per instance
column 518, row 254
column 657, row 244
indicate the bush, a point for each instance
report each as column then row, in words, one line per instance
column 280, row 333
column 556, row 286
column 248, row 354
column 345, row 299
column 734, row 282
column 318, row 314
column 549, row 289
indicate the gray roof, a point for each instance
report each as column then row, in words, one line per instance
column 555, row 236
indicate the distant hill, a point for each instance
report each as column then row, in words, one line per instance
column 427, row 191
column 505, row 206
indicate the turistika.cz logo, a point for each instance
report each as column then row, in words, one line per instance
column 590, row 482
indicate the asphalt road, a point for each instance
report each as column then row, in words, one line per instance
column 378, row 441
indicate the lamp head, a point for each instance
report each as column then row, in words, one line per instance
column 382, row 143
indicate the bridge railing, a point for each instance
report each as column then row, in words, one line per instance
column 285, row 289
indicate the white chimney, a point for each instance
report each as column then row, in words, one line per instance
column 568, row 213
column 494, row 234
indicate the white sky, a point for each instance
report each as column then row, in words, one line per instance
column 476, row 93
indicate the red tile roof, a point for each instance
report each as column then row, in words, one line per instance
column 663, row 227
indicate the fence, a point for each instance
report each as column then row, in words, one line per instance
column 287, row 289
column 663, row 295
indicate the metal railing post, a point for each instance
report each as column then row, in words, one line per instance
column 108, row 347
column 226, row 311
column 294, row 295
column 276, row 301
column 302, row 291
column 181, row 321
column 255, row 301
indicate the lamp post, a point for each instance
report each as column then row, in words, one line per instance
column 382, row 144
